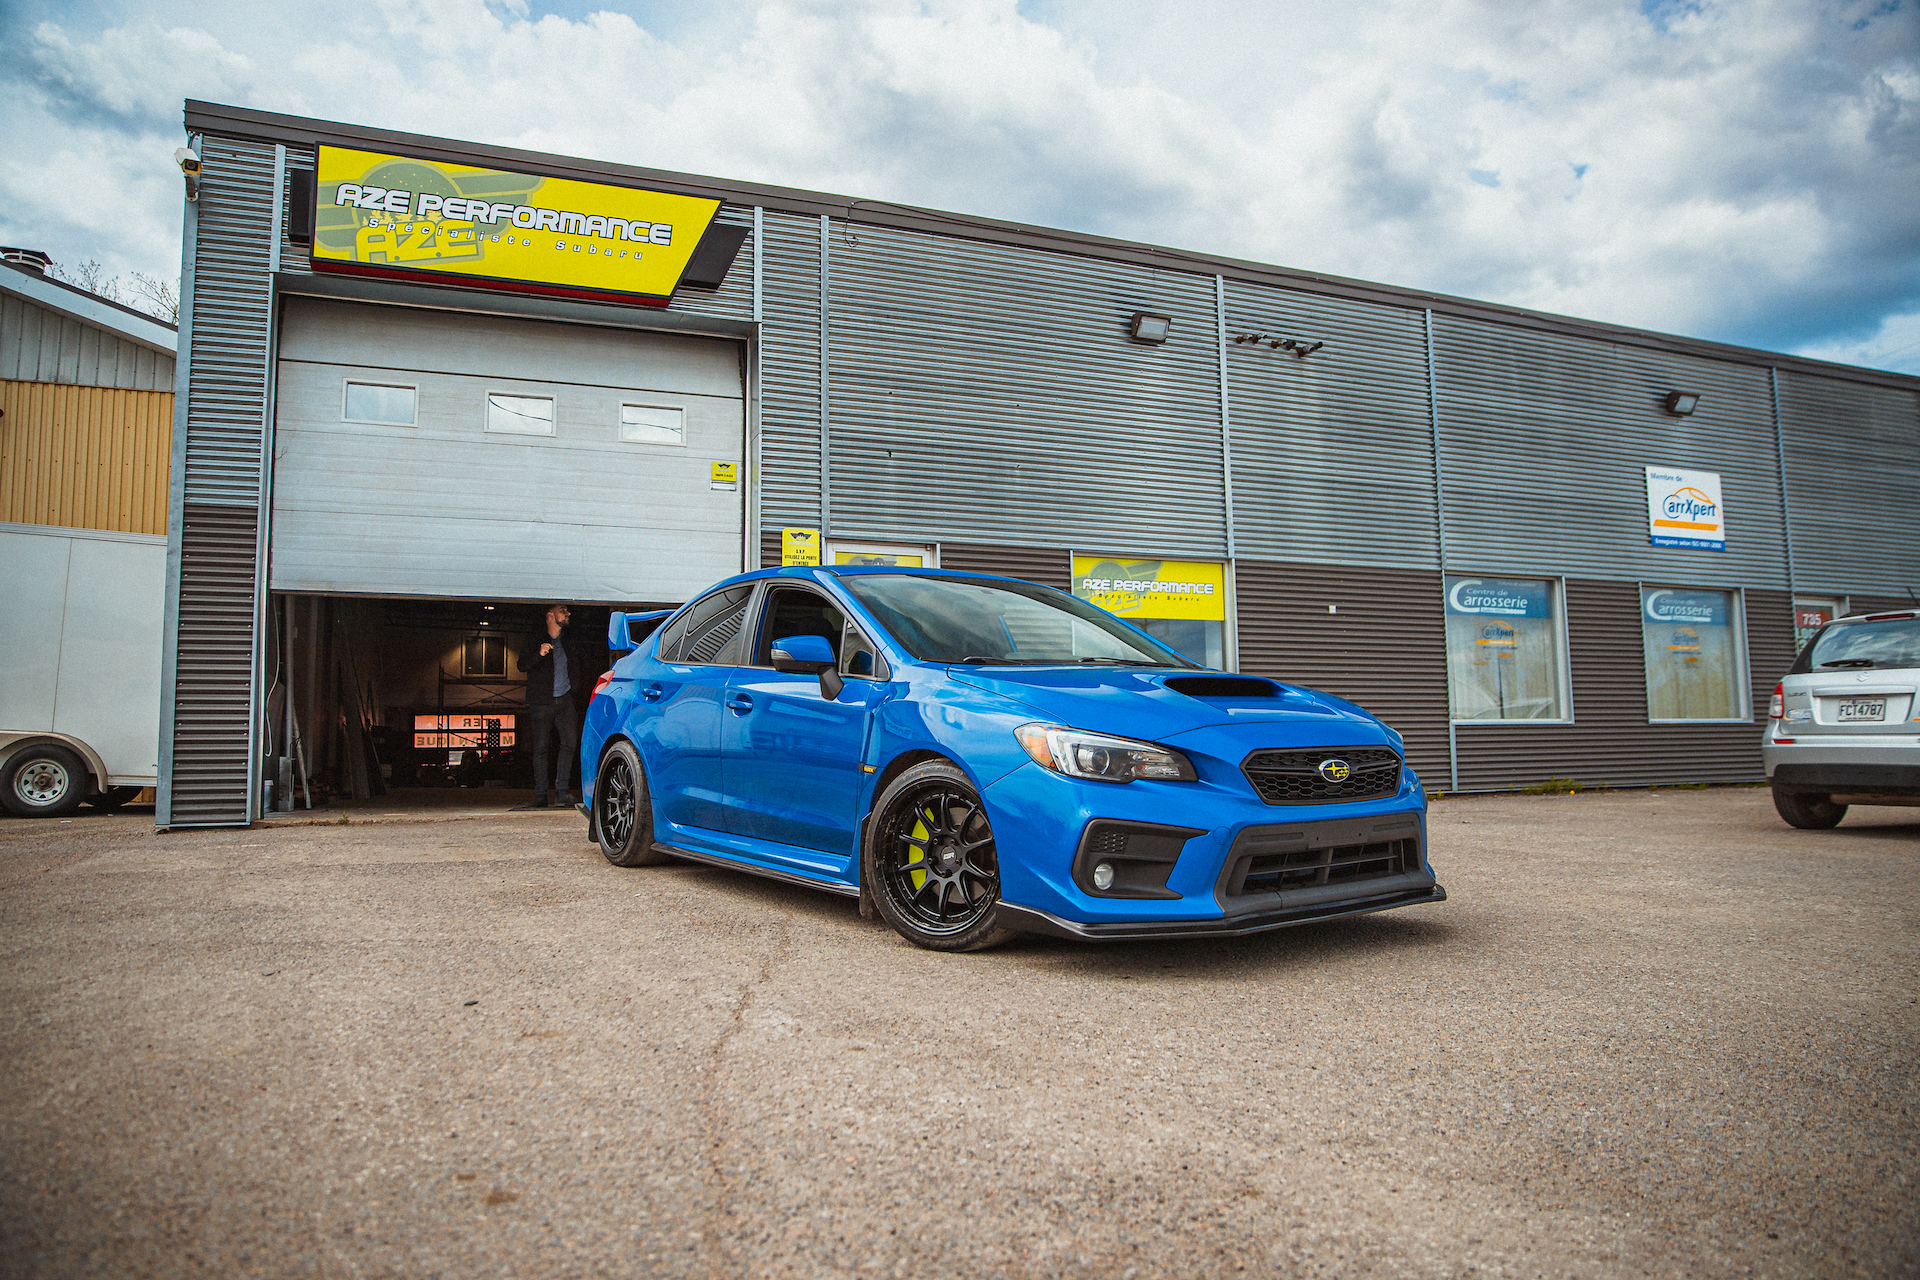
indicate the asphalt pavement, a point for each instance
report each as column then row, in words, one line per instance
column 1652, row 1033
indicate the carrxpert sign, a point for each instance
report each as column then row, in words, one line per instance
column 398, row 217
column 1684, row 509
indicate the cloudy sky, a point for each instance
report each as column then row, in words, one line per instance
column 1744, row 170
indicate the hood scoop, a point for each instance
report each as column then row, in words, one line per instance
column 1222, row 687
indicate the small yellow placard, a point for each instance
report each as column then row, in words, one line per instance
column 388, row 215
column 1192, row 589
column 726, row 475
column 880, row 558
column 799, row 546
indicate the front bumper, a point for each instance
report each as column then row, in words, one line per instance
column 1245, row 867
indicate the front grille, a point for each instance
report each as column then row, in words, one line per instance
column 1303, row 868
column 1294, row 777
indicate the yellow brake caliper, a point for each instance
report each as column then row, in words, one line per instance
column 925, row 837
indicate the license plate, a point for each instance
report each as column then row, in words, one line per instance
column 1863, row 709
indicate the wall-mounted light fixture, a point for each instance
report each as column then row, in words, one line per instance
column 1681, row 403
column 1149, row 328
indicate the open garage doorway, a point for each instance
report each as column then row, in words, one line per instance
column 402, row 705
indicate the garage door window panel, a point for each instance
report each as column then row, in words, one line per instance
column 386, row 404
column 519, row 415
column 653, row 424
column 1695, row 642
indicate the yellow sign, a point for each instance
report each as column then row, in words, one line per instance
column 726, row 475
column 799, row 546
column 390, row 216
column 880, row 558
column 1193, row 589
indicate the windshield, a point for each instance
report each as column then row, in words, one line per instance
column 1846, row 646
column 999, row 623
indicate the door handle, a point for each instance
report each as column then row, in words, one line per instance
column 739, row 704
column 652, row 692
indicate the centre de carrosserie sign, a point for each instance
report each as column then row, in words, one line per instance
column 398, row 217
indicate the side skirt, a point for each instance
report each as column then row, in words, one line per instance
column 788, row 877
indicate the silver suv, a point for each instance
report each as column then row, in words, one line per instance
column 1844, row 727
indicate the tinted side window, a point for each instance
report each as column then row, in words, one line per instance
column 859, row 659
column 795, row 612
column 709, row 631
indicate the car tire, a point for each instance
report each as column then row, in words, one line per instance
column 112, row 798
column 1810, row 813
column 929, row 861
column 44, row 782
column 623, row 811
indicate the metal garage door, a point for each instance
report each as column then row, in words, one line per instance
column 541, row 462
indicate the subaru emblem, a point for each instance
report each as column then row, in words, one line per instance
column 1334, row 770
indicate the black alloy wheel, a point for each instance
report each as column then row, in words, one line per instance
column 931, row 863
column 1809, row 813
column 622, row 812
column 44, row 782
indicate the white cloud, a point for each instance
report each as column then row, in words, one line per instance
column 1741, row 171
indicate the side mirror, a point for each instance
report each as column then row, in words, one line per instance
column 800, row 655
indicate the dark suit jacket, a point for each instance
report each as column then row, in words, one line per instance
column 539, row 668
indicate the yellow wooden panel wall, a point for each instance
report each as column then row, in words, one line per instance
column 84, row 457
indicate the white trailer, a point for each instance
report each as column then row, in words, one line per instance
column 81, row 616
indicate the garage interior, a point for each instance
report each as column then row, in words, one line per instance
column 404, row 700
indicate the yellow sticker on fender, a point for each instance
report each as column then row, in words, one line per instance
column 387, row 215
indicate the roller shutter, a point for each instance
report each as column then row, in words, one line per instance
column 447, row 507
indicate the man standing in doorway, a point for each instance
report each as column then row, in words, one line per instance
column 550, row 674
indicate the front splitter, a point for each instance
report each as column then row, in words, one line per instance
column 1031, row 920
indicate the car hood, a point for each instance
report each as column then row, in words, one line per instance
column 1140, row 704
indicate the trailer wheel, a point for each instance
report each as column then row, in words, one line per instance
column 43, row 782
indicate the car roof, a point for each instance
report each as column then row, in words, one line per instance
column 866, row 570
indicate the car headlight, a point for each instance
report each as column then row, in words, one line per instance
column 1101, row 757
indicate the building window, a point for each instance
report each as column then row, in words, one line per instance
column 1506, row 649
column 388, row 404
column 1180, row 603
column 486, row 656
column 520, row 415
column 1695, row 653
column 1810, row 613
column 652, row 424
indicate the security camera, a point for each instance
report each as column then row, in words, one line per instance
column 189, row 162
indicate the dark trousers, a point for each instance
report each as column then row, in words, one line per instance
column 549, row 720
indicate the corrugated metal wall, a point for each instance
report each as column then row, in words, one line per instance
column 790, row 374
column 1546, row 440
column 1039, row 417
column 1332, row 452
column 85, row 457
column 1049, row 566
column 1383, row 645
column 39, row 345
column 227, row 388
column 1853, row 484
column 1610, row 740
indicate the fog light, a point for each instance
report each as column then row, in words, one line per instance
column 1103, row 876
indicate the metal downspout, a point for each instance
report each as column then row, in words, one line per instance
column 176, row 507
column 826, row 400
column 1232, row 637
column 1440, row 528
column 1786, row 509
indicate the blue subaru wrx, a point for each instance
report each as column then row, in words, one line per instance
column 977, row 756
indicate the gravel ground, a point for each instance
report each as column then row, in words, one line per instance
column 1652, row 1033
